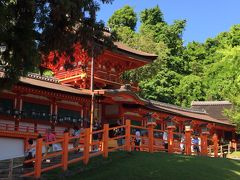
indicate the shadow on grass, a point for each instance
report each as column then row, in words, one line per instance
column 142, row 165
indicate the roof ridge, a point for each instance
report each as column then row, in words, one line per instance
column 202, row 111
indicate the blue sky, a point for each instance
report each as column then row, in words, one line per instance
column 205, row 18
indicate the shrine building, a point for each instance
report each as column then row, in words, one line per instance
column 37, row 102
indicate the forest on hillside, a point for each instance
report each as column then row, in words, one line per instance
column 181, row 74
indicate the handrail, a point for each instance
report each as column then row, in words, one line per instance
column 138, row 127
column 117, row 127
column 149, row 143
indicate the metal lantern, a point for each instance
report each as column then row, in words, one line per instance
column 150, row 118
column 8, row 111
column 188, row 127
column 54, row 117
column 187, row 124
column 67, row 118
column 44, row 114
column 204, row 128
column 80, row 119
column 33, row 113
column 16, row 112
column 74, row 120
column 170, row 123
column 60, row 119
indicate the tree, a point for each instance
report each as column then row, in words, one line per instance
column 194, row 56
column 191, row 88
column 152, row 16
column 124, row 17
column 161, row 87
column 223, row 78
column 31, row 29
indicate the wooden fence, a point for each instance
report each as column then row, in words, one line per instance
column 151, row 141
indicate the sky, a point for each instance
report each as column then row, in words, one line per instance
column 205, row 18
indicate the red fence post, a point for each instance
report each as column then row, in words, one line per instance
column 86, row 146
column 170, row 138
column 65, row 151
column 128, row 135
column 38, row 159
column 188, row 141
column 215, row 145
column 105, row 140
column 150, row 138
column 204, row 145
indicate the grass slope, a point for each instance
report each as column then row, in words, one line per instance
column 142, row 165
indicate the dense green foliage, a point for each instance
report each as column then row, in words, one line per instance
column 30, row 29
column 181, row 74
column 143, row 165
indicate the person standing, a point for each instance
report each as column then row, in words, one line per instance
column 165, row 141
column 137, row 140
column 196, row 145
column 49, row 137
column 182, row 143
column 95, row 136
column 76, row 134
column 119, row 132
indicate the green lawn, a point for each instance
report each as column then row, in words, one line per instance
column 141, row 165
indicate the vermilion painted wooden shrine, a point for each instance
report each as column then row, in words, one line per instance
column 38, row 102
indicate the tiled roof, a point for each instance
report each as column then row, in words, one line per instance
column 124, row 48
column 44, row 83
column 215, row 109
column 169, row 108
column 189, row 114
column 157, row 103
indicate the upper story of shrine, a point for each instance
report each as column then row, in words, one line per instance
column 108, row 66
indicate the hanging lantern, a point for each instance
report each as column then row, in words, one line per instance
column 170, row 123
column 60, row 119
column 187, row 124
column 151, row 121
column 204, row 128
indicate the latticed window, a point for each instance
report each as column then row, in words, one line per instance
column 36, row 111
column 6, row 106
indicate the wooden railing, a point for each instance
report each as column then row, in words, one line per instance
column 68, row 155
column 89, row 146
column 26, row 129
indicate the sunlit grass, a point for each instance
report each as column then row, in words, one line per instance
column 142, row 165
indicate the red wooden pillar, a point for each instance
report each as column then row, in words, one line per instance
column 215, row 145
column 170, row 138
column 128, row 135
column 65, row 151
column 86, row 146
column 105, row 140
column 204, row 145
column 38, row 161
column 150, row 138
column 188, row 141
